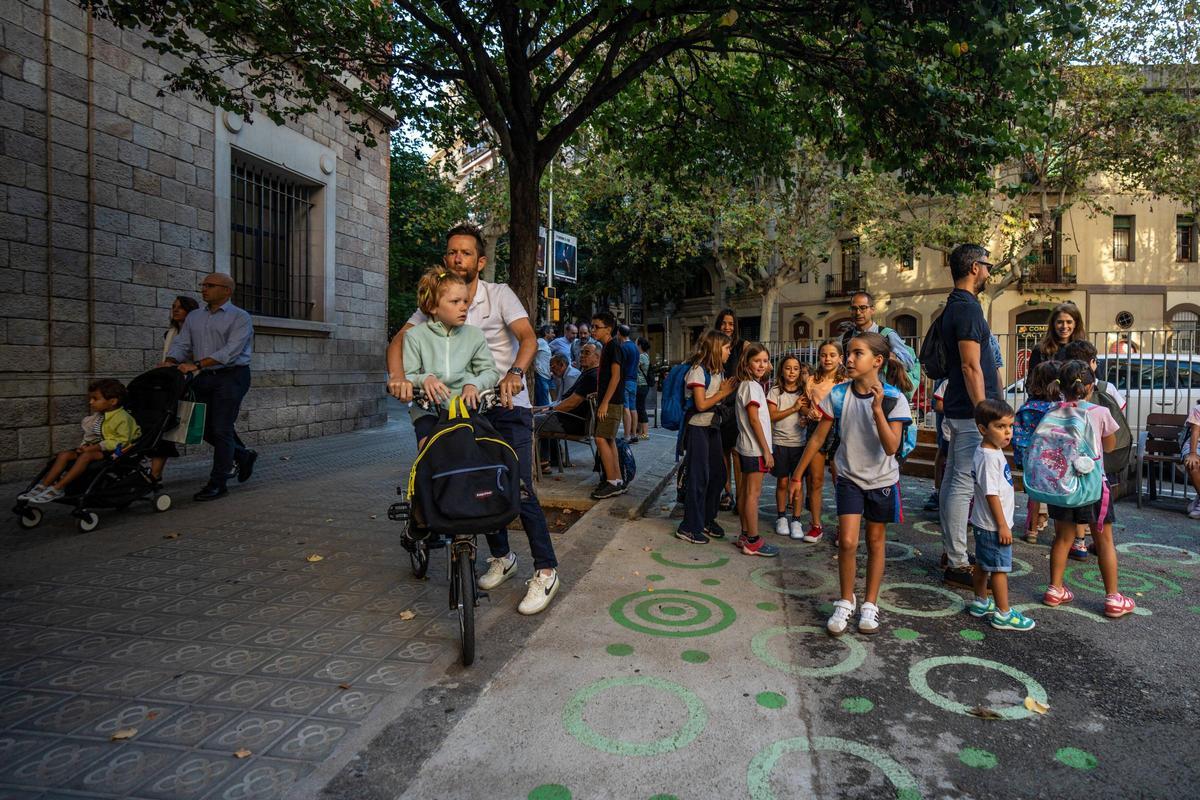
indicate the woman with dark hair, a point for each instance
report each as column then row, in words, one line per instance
column 643, row 387
column 163, row 450
column 179, row 311
column 1065, row 326
column 726, row 323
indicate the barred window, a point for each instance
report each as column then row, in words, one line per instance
column 1185, row 238
column 270, row 254
column 1123, row 238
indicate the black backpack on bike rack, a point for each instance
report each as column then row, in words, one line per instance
column 465, row 479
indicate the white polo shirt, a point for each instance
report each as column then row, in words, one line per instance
column 494, row 308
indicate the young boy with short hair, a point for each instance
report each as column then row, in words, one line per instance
column 610, row 408
column 992, row 518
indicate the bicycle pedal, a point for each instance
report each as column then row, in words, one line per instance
column 399, row 512
column 480, row 594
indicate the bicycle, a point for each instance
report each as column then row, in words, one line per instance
column 418, row 540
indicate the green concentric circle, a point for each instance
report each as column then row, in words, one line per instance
column 1089, row 579
column 956, row 603
column 575, row 725
column 918, row 679
column 828, row 581
column 690, row 614
column 758, row 776
column 760, row 648
column 720, row 561
column 1189, row 557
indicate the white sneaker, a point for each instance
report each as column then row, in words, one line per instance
column 41, row 487
column 797, row 531
column 499, row 570
column 49, row 495
column 868, row 618
column 1194, row 511
column 842, row 609
column 781, row 526
column 542, row 589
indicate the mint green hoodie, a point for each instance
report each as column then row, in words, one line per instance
column 457, row 356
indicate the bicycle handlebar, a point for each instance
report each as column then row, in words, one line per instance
column 488, row 399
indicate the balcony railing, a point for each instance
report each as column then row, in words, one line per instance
column 839, row 285
column 1052, row 273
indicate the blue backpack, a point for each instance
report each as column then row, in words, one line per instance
column 674, row 397
column 908, row 432
column 1028, row 417
column 1062, row 467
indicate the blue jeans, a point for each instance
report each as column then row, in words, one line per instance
column 958, row 489
column 222, row 391
column 515, row 426
column 705, row 463
column 541, row 391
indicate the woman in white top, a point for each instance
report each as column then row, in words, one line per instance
column 179, row 311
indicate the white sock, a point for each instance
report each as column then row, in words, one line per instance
column 617, row 482
column 981, row 600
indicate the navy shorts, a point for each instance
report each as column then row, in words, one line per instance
column 786, row 460
column 876, row 505
column 990, row 555
column 1090, row 514
column 752, row 463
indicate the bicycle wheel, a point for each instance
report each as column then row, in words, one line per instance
column 466, row 603
column 419, row 558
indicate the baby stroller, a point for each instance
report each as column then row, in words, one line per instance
column 116, row 482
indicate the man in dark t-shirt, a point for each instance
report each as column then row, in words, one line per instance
column 569, row 415
column 610, row 405
column 972, row 377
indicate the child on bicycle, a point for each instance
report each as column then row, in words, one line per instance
column 870, row 416
column 106, row 431
column 444, row 356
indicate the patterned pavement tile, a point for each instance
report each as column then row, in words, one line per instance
column 314, row 618
column 298, row 698
column 90, row 647
column 350, row 704
column 186, row 628
column 30, row 672
column 190, row 778
column 385, row 605
column 254, row 731
column 420, row 650
column 340, row 669
column 270, row 614
column 280, row 637
column 389, row 675
column 186, row 656
column 232, row 632
column 183, row 587
column 123, row 768
column 237, row 660
column 139, row 651
column 102, row 620
column 286, row 579
column 57, row 616
column 264, row 779
column 148, row 583
column 326, row 641
column 372, row 647
column 359, row 621
column 312, row 739
column 216, row 573
column 191, row 726
column 287, row 665
column 187, row 606
column 220, row 591
column 142, row 624
column 130, row 681
column 229, row 609
column 187, row 687
column 147, row 602
column 25, row 591
column 191, row 571
column 11, row 793
column 141, row 716
column 53, row 762
column 16, row 706
column 343, row 601
column 72, row 713
column 243, row 692
column 79, row 676
column 37, row 641
column 440, row 629
column 300, row 597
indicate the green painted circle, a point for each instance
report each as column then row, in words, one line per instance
column 675, row 628
column 1126, row 548
column 770, row 700
column 1194, row 609
column 971, row 635
column 656, row 578
column 957, row 604
column 826, row 609
column 758, row 776
column 711, row 582
column 1028, row 608
column 664, row 797
column 666, row 562
column 918, row 680
column 1142, row 536
column 572, row 718
column 767, row 607
column 858, row 653
column 671, row 608
column 1142, row 611
column 857, row 705
column 908, row 551
column 619, row 650
column 923, row 527
column 1023, row 568
column 827, row 585
column 980, row 759
column 1087, row 577
column 550, row 791
column 1075, row 758
column 694, row 656
column 906, row 634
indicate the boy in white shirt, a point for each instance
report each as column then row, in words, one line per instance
column 992, row 518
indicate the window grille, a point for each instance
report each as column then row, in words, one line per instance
column 1122, row 238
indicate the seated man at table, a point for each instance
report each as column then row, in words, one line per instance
column 562, row 377
column 569, row 415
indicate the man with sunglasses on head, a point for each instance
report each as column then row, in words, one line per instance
column 862, row 317
column 972, row 377
column 215, row 344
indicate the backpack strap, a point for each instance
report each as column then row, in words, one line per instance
column 837, row 399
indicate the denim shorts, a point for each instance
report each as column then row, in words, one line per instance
column 990, row 555
column 631, row 394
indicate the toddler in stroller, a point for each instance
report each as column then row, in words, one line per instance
column 106, row 470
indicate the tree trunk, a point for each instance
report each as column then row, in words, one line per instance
column 767, row 313
column 523, row 182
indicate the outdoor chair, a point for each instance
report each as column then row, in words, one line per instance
column 561, row 439
column 1158, row 445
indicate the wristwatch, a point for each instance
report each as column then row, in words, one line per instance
column 520, row 373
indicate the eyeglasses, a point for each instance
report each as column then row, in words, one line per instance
column 212, row 286
column 860, row 308
column 987, row 264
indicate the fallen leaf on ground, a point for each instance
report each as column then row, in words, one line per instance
column 649, row 588
column 1034, row 705
column 329, row 520
column 285, row 458
column 374, row 516
column 406, row 614
column 1140, row 594
column 647, row 549
column 152, row 715
column 314, row 558
column 123, row 734
column 984, row 713
column 343, row 686
column 243, row 753
column 635, row 572
column 171, row 536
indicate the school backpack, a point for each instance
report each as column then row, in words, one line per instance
column 908, row 432
column 674, row 397
column 933, row 353
column 1025, row 422
column 1062, row 467
column 1116, row 462
column 913, row 371
column 465, row 479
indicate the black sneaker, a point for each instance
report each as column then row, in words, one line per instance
column 245, row 467
column 714, row 531
column 727, row 503
column 691, row 538
column 606, row 490
column 960, row 576
column 931, row 504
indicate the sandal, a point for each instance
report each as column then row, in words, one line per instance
column 1031, row 537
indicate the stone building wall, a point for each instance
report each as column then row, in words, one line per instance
column 108, row 210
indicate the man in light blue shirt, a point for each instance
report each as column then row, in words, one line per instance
column 562, row 345
column 214, row 346
column 862, row 316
